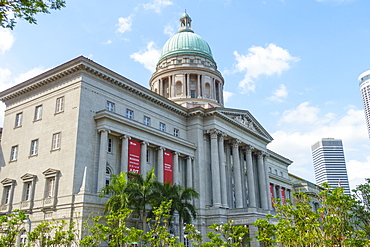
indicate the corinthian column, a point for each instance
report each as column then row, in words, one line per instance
column 269, row 202
column 102, row 158
column 250, row 173
column 237, row 175
column 216, row 190
column 262, row 181
column 221, row 152
column 160, row 165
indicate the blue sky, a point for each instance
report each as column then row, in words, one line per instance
column 293, row 64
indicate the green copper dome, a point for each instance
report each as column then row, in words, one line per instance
column 186, row 42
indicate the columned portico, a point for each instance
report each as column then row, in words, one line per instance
column 221, row 151
column 250, row 178
column 216, row 187
column 262, row 181
column 237, row 175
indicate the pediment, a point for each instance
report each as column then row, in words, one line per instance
column 245, row 119
column 28, row 177
column 51, row 172
column 8, row 181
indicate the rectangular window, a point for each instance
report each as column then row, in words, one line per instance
column 110, row 145
column 50, row 184
column 176, row 132
column 162, row 127
column 129, row 114
column 110, row 106
column 14, row 153
column 38, row 113
column 59, row 106
column 192, row 93
column 27, row 191
column 147, row 121
column 34, row 147
column 6, row 195
column 55, row 141
column 18, row 120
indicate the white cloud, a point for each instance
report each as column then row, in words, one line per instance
column 169, row 30
column 157, row 5
column 279, row 94
column 124, row 24
column 227, row 96
column 6, row 41
column 302, row 114
column 262, row 61
column 108, row 42
column 148, row 57
column 29, row 74
column 300, row 131
column 7, row 81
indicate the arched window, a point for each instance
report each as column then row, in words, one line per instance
column 178, row 88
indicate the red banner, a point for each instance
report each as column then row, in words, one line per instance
column 134, row 157
column 272, row 194
column 283, row 195
column 167, row 163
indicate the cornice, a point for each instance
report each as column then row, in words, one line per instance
column 82, row 64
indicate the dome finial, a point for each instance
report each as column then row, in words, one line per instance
column 185, row 23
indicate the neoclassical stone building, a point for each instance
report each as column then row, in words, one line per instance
column 67, row 130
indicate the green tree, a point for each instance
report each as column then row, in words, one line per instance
column 141, row 192
column 111, row 230
column 117, row 190
column 11, row 226
column 227, row 235
column 361, row 207
column 10, row 10
column 53, row 233
column 298, row 225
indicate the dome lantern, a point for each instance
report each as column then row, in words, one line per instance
column 185, row 23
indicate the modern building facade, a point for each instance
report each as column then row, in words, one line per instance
column 329, row 163
column 67, row 130
column 364, row 81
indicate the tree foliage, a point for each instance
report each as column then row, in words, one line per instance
column 11, row 226
column 299, row 225
column 361, row 207
column 11, row 10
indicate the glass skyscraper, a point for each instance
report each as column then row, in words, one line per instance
column 329, row 163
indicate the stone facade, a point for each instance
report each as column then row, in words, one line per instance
column 67, row 130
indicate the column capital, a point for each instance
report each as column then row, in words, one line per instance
column 161, row 148
column 104, row 129
column 222, row 136
column 213, row 133
column 125, row 137
column 249, row 148
column 189, row 157
column 176, row 153
column 236, row 142
column 144, row 143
